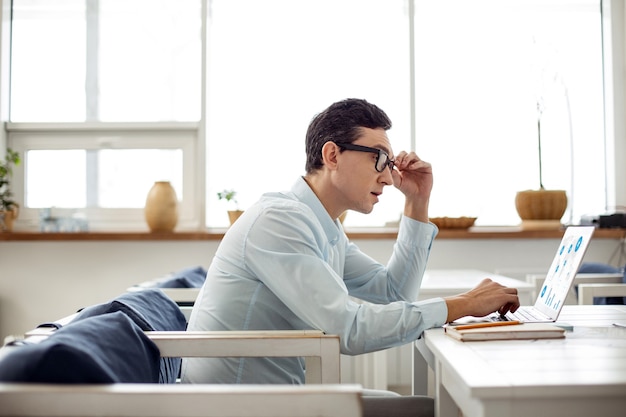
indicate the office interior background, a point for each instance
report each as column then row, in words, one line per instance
column 104, row 97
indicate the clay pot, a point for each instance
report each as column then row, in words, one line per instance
column 233, row 215
column 161, row 210
column 541, row 204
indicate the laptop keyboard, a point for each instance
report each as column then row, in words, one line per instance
column 523, row 314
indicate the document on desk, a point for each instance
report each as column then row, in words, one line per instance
column 485, row 331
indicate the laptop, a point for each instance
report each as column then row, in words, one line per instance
column 559, row 279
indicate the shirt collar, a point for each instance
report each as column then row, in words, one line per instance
column 305, row 194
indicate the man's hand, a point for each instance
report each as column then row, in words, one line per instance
column 414, row 178
column 484, row 299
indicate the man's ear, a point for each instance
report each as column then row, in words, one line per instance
column 330, row 153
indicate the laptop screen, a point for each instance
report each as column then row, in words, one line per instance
column 565, row 265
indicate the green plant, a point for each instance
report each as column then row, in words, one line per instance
column 11, row 159
column 228, row 195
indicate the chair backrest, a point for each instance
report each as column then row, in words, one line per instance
column 585, row 278
column 587, row 292
column 159, row 400
column 182, row 286
column 321, row 351
column 182, row 296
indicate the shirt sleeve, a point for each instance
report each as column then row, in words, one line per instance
column 401, row 278
column 293, row 261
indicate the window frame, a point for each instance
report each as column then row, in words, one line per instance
column 23, row 137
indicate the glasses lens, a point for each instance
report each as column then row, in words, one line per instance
column 382, row 161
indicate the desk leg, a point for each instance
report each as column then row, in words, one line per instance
column 444, row 404
column 422, row 363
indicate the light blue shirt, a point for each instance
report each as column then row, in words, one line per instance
column 285, row 264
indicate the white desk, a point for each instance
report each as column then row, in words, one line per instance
column 371, row 368
column 581, row 375
column 447, row 282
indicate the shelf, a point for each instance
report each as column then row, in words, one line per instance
column 479, row 232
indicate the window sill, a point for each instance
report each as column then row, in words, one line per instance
column 479, row 232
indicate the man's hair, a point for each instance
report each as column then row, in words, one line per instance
column 341, row 123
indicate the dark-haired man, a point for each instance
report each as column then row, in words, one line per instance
column 287, row 263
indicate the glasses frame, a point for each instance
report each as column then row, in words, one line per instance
column 389, row 163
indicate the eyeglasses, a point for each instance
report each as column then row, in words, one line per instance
column 382, row 160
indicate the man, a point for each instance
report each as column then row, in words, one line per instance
column 287, row 264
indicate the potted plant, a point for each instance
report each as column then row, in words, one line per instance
column 230, row 197
column 544, row 208
column 541, row 208
column 9, row 209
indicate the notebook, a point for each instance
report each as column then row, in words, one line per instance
column 515, row 332
column 559, row 279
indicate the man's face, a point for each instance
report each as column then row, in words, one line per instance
column 360, row 181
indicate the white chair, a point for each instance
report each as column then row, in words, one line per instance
column 587, row 278
column 318, row 348
column 179, row 400
column 182, row 296
column 321, row 351
column 321, row 396
column 587, row 292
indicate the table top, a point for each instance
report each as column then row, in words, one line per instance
column 454, row 281
column 590, row 361
column 436, row 283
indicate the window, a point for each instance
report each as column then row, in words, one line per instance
column 105, row 61
column 105, row 101
column 104, row 175
column 461, row 81
column 482, row 67
column 274, row 64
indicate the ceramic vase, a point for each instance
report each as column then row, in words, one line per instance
column 7, row 218
column 161, row 210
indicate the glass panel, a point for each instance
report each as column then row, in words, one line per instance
column 274, row 65
column 126, row 175
column 143, row 62
column 55, row 178
column 149, row 60
column 48, row 61
column 119, row 178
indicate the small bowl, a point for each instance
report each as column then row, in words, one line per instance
column 453, row 222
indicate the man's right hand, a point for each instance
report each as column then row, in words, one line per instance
column 484, row 299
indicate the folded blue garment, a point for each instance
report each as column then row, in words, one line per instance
column 151, row 310
column 101, row 349
column 187, row 278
